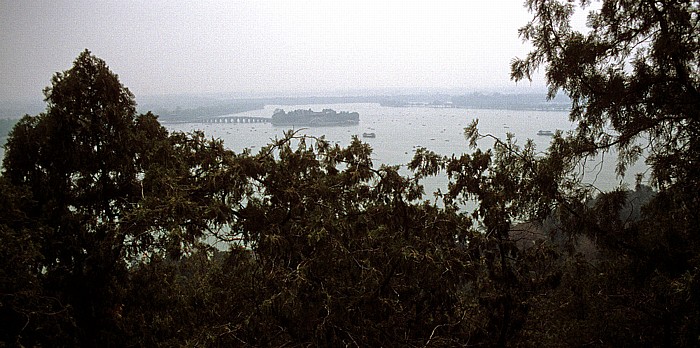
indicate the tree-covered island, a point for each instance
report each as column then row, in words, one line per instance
column 326, row 117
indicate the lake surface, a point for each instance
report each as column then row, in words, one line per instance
column 400, row 130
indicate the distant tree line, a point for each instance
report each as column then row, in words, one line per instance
column 511, row 102
column 179, row 114
column 116, row 232
column 477, row 100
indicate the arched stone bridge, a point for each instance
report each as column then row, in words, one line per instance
column 235, row 119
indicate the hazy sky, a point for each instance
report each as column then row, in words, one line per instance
column 268, row 47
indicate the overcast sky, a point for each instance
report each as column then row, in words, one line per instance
column 265, row 47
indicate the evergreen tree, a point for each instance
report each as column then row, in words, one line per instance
column 634, row 80
column 108, row 188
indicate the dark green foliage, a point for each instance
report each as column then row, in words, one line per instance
column 113, row 230
column 331, row 250
column 353, row 262
column 633, row 79
column 634, row 83
column 26, row 306
column 104, row 186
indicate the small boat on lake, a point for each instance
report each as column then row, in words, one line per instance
column 545, row 132
column 369, row 135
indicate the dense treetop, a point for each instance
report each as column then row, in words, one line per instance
column 634, row 78
column 109, row 222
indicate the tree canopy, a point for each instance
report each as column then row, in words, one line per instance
column 104, row 187
column 634, row 81
column 633, row 78
column 116, row 232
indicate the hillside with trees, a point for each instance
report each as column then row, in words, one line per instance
column 116, row 232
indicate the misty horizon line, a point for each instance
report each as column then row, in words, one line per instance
column 350, row 92
column 150, row 102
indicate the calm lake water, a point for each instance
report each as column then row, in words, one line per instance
column 399, row 131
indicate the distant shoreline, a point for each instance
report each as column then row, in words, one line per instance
column 187, row 108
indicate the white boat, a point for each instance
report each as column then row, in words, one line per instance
column 545, row 132
column 369, row 135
